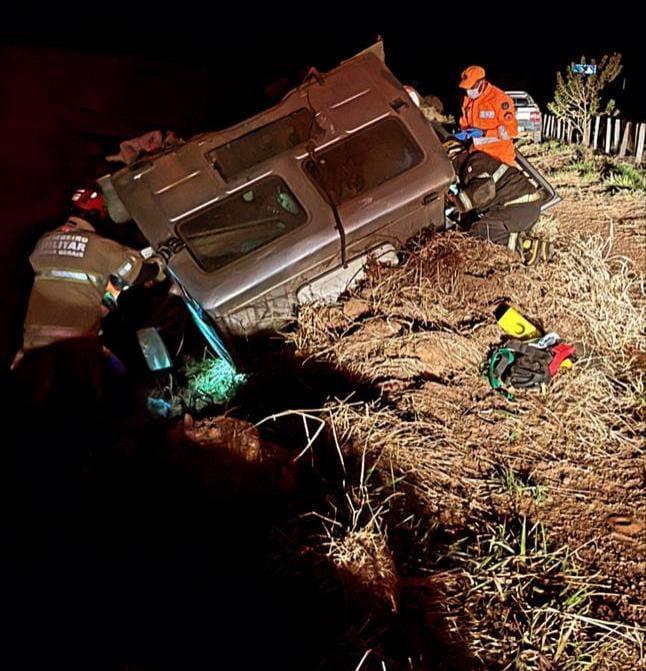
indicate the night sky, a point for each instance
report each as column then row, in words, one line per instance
column 520, row 46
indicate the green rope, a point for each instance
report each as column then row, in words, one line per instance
column 495, row 381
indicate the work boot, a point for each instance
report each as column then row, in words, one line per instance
column 534, row 250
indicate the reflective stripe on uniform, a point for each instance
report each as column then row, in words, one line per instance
column 72, row 276
column 502, row 169
column 498, row 173
column 55, row 331
column 487, row 114
column 124, row 269
column 465, row 200
column 512, row 242
column 477, row 141
column 76, row 276
column 529, row 198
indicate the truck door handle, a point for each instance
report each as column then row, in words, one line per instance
column 429, row 198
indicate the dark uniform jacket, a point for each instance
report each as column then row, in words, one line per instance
column 72, row 267
column 486, row 183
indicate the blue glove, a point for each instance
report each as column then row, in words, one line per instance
column 468, row 134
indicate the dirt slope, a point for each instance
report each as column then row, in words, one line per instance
column 528, row 514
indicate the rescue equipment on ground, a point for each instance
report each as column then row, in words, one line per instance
column 527, row 360
column 514, row 324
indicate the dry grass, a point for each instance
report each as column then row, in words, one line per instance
column 421, row 335
column 514, row 598
column 358, row 545
column 527, row 606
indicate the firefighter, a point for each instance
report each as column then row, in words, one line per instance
column 488, row 116
column 78, row 274
column 497, row 202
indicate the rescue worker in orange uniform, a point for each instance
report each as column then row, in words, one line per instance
column 486, row 108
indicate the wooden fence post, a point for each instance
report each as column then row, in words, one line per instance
column 617, row 136
column 624, row 140
column 639, row 153
column 621, row 137
column 596, row 132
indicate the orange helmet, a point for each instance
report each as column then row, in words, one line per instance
column 470, row 76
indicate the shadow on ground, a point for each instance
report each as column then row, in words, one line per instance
column 131, row 547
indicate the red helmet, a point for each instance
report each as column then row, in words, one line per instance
column 89, row 201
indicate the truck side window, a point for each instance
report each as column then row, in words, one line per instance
column 364, row 161
column 241, row 223
column 261, row 144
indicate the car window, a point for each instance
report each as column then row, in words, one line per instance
column 364, row 161
column 522, row 101
column 242, row 223
column 261, row 144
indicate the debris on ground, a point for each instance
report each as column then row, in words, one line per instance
column 529, row 359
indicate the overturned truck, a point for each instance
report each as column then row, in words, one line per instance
column 285, row 208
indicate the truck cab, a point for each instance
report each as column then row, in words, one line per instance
column 286, row 207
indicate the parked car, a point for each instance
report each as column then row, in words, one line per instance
column 528, row 115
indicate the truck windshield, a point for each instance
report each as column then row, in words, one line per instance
column 241, row 223
column 364, row 161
